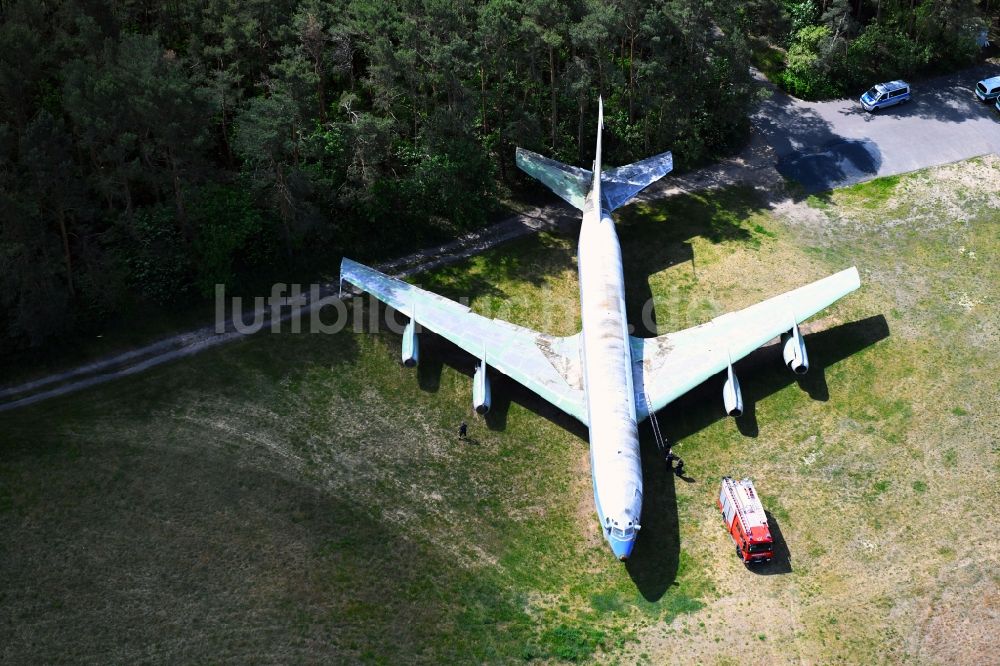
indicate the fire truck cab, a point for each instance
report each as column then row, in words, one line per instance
column 746, row 521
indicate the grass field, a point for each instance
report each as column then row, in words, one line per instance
column 304, row 498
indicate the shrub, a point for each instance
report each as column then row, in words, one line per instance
column 808, row 72
column 156, row 256
column 227, row 227
column 881, row 53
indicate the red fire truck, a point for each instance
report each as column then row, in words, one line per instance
column 746, row 521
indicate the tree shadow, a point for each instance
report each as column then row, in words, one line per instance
column 833, row 164
column 325, row 554
column 811, row 153
column 808, row 150
column 781, row 563
column 456, row 281
column 788, row 126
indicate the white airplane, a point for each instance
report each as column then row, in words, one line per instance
column 603, row 376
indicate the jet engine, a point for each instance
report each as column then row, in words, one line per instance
column 794, row 351
column 481, row 389
column 731, row 395
column 411, row 345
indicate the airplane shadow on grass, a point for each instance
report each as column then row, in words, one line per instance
column 654, row 240
column 763, row 373
column 650, row 246
column 656, row 557
column 654, row 562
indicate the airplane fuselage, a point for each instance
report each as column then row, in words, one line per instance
column 607, row 371
column 664, row 367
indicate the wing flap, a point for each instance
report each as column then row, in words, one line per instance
column 666, row 367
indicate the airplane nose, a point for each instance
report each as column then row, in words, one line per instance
column 622, row 548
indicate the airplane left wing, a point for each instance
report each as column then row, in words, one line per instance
column 666, row 367
column 548, row 365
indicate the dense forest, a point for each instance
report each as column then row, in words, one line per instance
column 152, row 149
column 841, row 47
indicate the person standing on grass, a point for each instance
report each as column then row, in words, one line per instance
column 463, row 430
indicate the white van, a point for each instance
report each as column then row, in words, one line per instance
column 988, row 89
column 883, row 95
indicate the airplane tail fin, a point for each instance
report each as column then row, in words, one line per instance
column 596, row 187
column 613, row 188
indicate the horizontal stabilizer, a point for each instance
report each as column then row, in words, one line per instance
column 621, row 184
column 569, row 182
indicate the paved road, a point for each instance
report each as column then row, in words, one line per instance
column 830, row 144
column 820, row 144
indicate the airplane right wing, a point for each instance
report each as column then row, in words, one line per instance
column 666, row 367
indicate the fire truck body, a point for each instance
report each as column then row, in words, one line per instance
column 746, row 521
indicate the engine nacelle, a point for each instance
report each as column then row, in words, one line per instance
column 793, row 349
column 481, row 389
column 732, row 397
column 411, row 345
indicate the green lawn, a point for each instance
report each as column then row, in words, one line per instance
column 305, row 498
